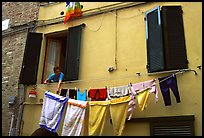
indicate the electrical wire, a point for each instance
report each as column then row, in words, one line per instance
column 127, row 17
column 99, row 25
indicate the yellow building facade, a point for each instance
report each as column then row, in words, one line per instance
column 115, row 36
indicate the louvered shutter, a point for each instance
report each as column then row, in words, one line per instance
column 174, row 40
column 29, row 67
column 72, row 58
column 154, row 39
column 172, row 128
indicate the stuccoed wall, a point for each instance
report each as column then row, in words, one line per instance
column 99, row 50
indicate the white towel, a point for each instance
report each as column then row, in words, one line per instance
column 52, row 110
column 74, row 118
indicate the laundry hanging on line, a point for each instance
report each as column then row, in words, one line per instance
column 139, row 92
column 74, row 118
column 52, row 110
column 167, row 83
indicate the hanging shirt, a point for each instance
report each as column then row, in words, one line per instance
column 72, row 94
column 98, row 94
column 81, row 96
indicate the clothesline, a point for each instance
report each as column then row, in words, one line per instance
column 179, row 72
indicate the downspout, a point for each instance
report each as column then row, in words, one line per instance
column 11, row 125
column 116, row 38
column 21, row 111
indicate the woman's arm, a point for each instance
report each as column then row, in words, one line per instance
column 59, row 86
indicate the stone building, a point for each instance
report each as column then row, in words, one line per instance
column 22, row 17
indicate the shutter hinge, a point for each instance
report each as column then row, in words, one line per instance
column 147, row 66
column 145, row 18
column 181, row 10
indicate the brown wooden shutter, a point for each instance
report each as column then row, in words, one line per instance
column 29, row 67
column 174, row 40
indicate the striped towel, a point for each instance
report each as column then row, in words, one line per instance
column 52, row 110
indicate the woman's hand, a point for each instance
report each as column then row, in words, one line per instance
column 57, row 91
column 46, row 81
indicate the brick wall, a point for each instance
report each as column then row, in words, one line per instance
column 13, row 46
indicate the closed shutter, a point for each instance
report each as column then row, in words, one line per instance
column 71, row 70
column 172, row 128
column 155, row 55
column 174, row 40
column 29, row 67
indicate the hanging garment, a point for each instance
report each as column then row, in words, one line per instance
column 97, row 117
column 151, row 84
column 74, row 119
column 72, row 94
column 166, row 85
column 142, row 97
column 64, row 92
column 74, row 9
column 52, row 110
column 120, row 91
column 118, row 111
column 98, row 94
column 131, row 105
column 81, row 96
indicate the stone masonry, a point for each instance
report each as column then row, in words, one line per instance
column 13, row 45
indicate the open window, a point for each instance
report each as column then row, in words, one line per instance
column 165, row 39
column 63, row 50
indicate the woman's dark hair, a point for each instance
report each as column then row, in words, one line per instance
column 56, row 68
column 43, row 132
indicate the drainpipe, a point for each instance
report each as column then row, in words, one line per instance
column 21, row 111
column 11, row 125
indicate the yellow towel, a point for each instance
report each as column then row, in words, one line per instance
column 142, row 97
column 97, row 117
column 118, row 111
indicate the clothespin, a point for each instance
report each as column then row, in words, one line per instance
column 89, row 87
column 130, row 84
column 75, row 88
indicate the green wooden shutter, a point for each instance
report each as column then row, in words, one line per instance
column 30, row 63
column 155, row 55
column 72, row 60
column 174, row 40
